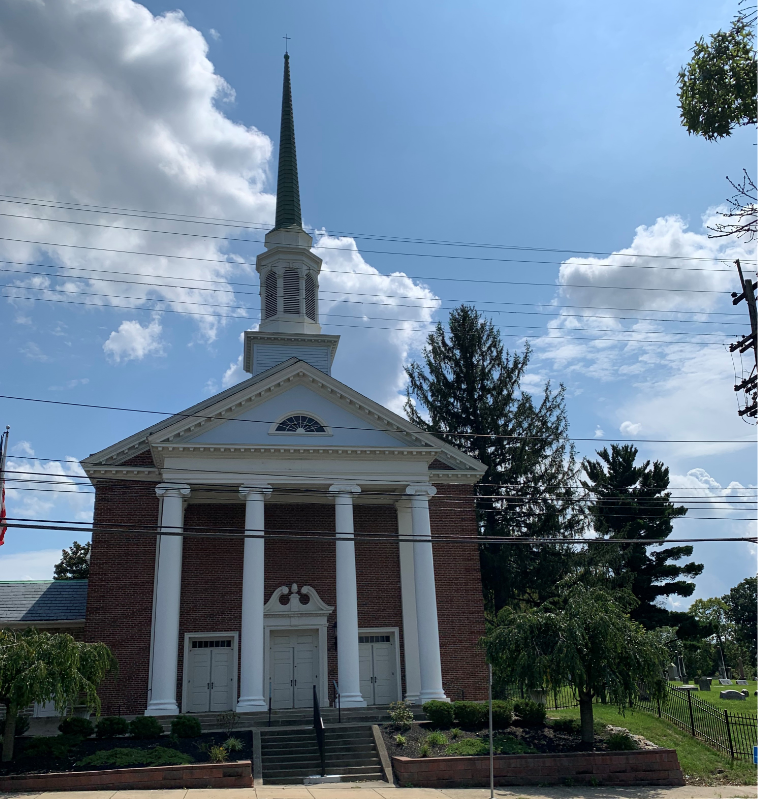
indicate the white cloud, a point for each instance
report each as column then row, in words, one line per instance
column 126, row 114
column 70, row 384
column 234, row 373
column 133, row 341
column 630, row 428
column 34, row 353
column 22, row 448
column 214, row 34
column 599, row 432
column 37, row 565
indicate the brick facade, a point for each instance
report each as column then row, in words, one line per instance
column 121, row 585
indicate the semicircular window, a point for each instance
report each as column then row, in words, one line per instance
column 299, row 424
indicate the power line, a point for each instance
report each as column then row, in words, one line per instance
column 240, row 224
column 377, row 430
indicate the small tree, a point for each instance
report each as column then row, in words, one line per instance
column 74, row 563
column 36, row 666
column 585, row 639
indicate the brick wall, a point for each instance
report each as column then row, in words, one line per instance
column 122, row 576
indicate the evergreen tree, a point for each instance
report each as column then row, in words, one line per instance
column 468, row 392
column 74, row 563
column 632, row 502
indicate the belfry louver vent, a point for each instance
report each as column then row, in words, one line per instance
column 291, row 291
column 310, row 298
column 271, row 295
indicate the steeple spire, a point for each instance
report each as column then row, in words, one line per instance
column 288, row 212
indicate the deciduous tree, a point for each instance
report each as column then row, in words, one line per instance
column 74, row 563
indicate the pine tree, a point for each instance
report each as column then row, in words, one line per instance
column 468, row 392
column 74, row 563
column 632, row 502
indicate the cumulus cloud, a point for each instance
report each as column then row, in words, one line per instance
column 124, row 113
column 133, row 341
column 36, row 565
column 630, row 428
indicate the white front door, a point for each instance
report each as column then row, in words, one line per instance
column 294, row 668
column 377, row 667
column 209, row 676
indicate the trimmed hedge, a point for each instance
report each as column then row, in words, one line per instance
column 471, row 715
column 111, row 727
column 530, row 714
column 186, row 727
column 502, row 714
column 441, row 714
column 145, row 727
column 77, row 726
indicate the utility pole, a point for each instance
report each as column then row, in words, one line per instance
column 748, row 385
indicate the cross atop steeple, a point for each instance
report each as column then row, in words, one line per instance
column 286, row 46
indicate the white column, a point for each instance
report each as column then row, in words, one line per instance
column 347, row 598
column 164, row 672
column 251, row 698
column 426, row 601
column 408, row 603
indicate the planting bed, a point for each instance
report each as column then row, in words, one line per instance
column 92, row 754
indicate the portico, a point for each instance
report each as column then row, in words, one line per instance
column 258, row 621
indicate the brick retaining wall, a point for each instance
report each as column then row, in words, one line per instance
column 644, row 767
column 196, row 775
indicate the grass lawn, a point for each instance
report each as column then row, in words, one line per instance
column 701, row 764
column 733, row 705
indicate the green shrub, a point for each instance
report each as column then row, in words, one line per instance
column 437, row 739
column 471, row 715
column 621, row 742
column 111, row 727
column 401, row 715
column 530, row 714
column 571, row 726
column 76, row 726
column 502, row 714
column 425, row 750
column 56, row 747
column 144, row 727
column 400, row 740
column 509, row 745
column 468, row 746
column 22, row 725
column 218, row 754
column 186, row 727
column 441, row 714
column 233, row 744
column 125, row 756
column 455, row 733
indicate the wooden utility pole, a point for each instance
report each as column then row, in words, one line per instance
column 748, row 385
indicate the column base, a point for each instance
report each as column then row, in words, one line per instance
column 426, row 696
column 352, row 700
column 161, row 708
column 413, row 699
column 251, row 704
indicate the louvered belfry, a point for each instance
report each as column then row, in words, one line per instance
column 288, row 212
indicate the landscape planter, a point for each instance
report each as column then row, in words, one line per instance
column 194, row 775
column 641, row 767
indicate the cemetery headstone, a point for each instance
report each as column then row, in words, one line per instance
column 730, row 695
column 673, row 672
column 741, row 682
column 725, row 682
column 704, row 683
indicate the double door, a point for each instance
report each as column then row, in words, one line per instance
column 294, row 667
column 210, row 676
column 377, row 669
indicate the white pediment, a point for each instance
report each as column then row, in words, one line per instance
column 294, row 604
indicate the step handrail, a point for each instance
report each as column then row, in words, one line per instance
column 318, row 726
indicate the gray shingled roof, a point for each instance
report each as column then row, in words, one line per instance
column 43, row 600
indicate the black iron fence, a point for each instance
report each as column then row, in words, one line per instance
column 730, row 732
column 559, row 700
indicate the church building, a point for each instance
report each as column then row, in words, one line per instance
column 308, row 536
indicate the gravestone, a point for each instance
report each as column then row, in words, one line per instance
column 741, row 682
column 725, row 682
column 704, row 683
column 687, row 687
column 673, row 673
column 745, row 693
column 730, row 695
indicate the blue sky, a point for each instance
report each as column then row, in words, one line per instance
column 546, row 127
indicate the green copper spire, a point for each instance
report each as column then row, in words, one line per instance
column 288, row 188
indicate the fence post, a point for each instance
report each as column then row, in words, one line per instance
column 659, row 706
column 692, row 718
column 729, row 733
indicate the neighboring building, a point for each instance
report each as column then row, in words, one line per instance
column 202, row 618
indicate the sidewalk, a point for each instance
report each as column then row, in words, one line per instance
column 382, row 790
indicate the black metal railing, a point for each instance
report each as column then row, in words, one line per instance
column 318, row 726
column 338, row 701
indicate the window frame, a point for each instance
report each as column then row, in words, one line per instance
column 274, row 432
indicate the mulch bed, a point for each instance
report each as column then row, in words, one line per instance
column 194, row 747
column 543, row 740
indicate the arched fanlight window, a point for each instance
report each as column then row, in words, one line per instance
column 271, row 295
column 291, row 291
column 299, row 423
column 310, row 298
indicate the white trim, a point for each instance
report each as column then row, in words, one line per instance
column 310, row 414
column 154, row 602
column 396, row 641
column 234, row 636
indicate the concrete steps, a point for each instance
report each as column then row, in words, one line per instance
column 290, row 755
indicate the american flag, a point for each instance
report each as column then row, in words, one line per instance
column 3, row 454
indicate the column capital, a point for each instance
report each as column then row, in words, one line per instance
column 173, row 490
column 261, row 489
column 345, row 488
column 422, row 490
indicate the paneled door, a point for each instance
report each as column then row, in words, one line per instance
column 377, row 666
column 294, row 667
column 209, row 676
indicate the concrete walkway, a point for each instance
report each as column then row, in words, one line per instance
column 382, row 790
